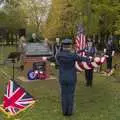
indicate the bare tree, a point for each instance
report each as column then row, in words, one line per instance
column 37, row 12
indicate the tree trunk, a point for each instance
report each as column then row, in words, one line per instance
column 12, row 38
column 8, row 39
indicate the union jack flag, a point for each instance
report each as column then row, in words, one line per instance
column 80, row 41
column 16, row 99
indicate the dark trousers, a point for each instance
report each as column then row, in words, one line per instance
column 67, row 99
column 109, row 63
column 89, row 77
column 56, row 66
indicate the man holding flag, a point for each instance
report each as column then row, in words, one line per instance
column 90, row 51
column 87, row 49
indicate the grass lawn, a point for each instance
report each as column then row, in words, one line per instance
column 101, row 102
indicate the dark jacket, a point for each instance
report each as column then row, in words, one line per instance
column 109, row 49
column 67, row 70
column 56, row 48
column 90, row 51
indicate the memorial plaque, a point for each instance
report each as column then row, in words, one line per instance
column 40, row 66
column 37, row 49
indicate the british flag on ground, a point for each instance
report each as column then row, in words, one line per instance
column 16, row 99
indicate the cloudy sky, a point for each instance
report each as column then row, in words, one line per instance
column 1, row 4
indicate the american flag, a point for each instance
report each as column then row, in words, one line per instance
column 16, row 99
column 81, row 66
column 80, row 41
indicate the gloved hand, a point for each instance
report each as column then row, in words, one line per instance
column 79, row 51
column 105, row 50
column 44, row 58
column 113, row 53
column 91, row 58
column 106, row 56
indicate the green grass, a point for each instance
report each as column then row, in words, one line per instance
column 4, row 51
column 101, row 102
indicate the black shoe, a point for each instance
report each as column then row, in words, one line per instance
column 87, row 85
column 69, row 114
column 91, row 86
column 65, row 114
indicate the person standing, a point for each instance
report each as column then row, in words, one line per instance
column 109, row 51
column 34, row 39
column 21, row 43
column 21, row 49
column 56, row 46
column 56, row 49
column 90, row 52
column 67, row 75
column 47, row 43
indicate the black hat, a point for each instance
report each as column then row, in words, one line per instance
column 89, row 39
column 67, row 41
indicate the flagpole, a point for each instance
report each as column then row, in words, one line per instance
column 13, row 61
column 1, row 57
column 89, row 15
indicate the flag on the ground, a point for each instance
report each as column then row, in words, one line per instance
column 16, row 99
column 80, row 41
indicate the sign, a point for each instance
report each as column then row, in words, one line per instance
column 40, row 66
column 37, row 49
column 38, row 71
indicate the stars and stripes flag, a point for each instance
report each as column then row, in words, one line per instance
column 81, row 66
column 80, row 41
column 16, row 99
column 80, row 44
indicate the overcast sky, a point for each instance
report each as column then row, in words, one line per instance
column 48, row 1
column 1, row 5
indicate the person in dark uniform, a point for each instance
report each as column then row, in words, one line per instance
column 67, row 75
column 90, row 52
column 109, row 51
